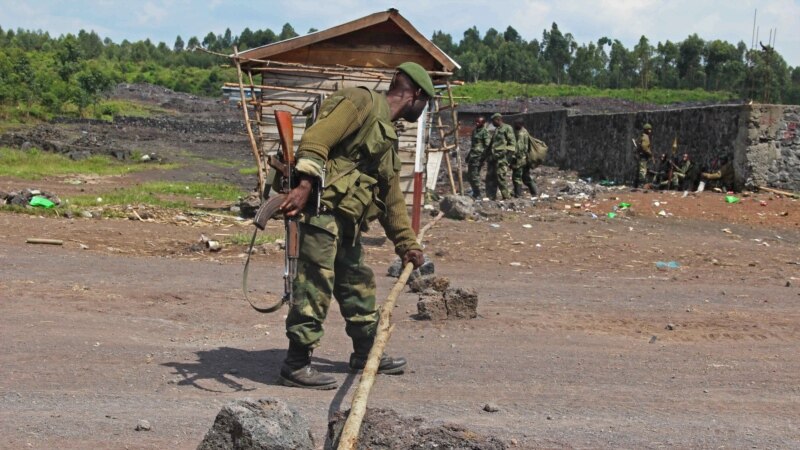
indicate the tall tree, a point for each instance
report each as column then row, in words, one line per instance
column 690, row 62
column 287, row 32
column 557, row 51
column 178, row 46
column 643, row 52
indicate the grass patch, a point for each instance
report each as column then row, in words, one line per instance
column 165, row 194
column 58, row 211
column 224, row 163
column 244, row 238
column 496, row 90
column 34, row 164
column 249, row 171
column 107, row 109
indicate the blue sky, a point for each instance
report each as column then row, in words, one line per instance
column 626, row 20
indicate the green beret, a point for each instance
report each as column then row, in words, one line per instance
column 497, row 116
column 419, row 76
column 647, row 126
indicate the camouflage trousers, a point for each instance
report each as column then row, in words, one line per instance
column 474, row 174
column 331, row 264
column 497, row 177
column 641, row 177
column 521, row 176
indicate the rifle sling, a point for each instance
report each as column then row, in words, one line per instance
column 271, row 207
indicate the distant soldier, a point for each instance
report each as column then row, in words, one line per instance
column 661, row 173
column 724, row 177
column 502, row 144
column 644, row 153
column 480, row 142
column 523, row 163
column 683, row 173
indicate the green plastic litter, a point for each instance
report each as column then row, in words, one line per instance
column 624, row 205
column 611, row 215
column 43, row 202
column 731, row 199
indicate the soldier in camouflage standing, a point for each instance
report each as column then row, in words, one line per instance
column 644, row 154
column 355, row 142
column 501, row 145
column 521, row 165
column 480, row 142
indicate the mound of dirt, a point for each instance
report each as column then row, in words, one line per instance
column 384, row 429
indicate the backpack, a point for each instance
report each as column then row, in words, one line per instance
column 537, row 151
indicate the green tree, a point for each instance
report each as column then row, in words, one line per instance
column 178, row 46
column 643, row 52
column 666, row 65
column 557, row 52
column 68, row 57
column 287, row 32
column 690, row 62
column 444, row 41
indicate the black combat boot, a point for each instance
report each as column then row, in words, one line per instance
column 517, row 191
column 297, row 371
column 532, row 188
column 388, row 365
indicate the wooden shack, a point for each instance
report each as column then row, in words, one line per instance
column 295, row 74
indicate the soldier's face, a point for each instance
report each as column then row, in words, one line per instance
column 496, row 122
column 415, row 107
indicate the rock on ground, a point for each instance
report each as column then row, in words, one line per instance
column 457, row 207
column 384, row 429
column 425, row 282
column 427, row 268
column 431, row 306
column 453, row 304
column 266, row 423
column 461, row 303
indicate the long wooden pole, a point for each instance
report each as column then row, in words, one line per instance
column 358, row 407
column 779, row 192
column 455, row 129
column 253, row 143
column 443, row 138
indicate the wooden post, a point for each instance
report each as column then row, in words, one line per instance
column 358, row 407
column 455, row 131
column 446, row 156
column 253, row 143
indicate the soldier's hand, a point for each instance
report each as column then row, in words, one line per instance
column 415, row 257
column 297, row 198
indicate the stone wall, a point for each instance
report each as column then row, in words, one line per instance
column 773, row 147
column 601, row 146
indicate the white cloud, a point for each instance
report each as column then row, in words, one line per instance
column 151, row 14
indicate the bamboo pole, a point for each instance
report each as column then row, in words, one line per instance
column 358, row 407
column 44, row 241
column 779, row 192
column 268, row 87
column 253, row 143
column 432, row 73
column 455, row 131
column 442, row 137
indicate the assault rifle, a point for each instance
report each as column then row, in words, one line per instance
column 283, row 165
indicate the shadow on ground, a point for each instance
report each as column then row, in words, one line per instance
column 226, row 366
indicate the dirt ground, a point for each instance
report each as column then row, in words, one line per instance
column 581, row 342
column 571, row 343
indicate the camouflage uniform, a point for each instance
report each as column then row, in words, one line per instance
column 520, row 166
column 502, row 146
column 355, row 141
column 645, row 154
column 722, row 178
column 681, row 177
column 480, row 142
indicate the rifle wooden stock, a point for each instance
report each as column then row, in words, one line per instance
column 286, row 133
